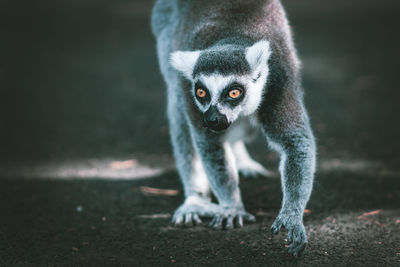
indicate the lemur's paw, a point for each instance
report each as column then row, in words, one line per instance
column 253, row 169
column 228, row 218
column 194, row 207
column 297, row 238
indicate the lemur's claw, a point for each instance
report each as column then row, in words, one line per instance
column 297, row 238
column 188, row 219
column 188, row 214
column 228, row 218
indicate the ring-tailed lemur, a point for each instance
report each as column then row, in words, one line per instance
column 230, row 67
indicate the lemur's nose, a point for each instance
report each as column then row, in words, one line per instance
column 214, row 120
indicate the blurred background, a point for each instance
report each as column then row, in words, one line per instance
column 80, row 79
column 81, row 95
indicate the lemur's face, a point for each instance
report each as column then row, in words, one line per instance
column 227, row 83
column 223, row 98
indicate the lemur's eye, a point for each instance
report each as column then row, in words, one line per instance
column 200, row 93
column 234, row 93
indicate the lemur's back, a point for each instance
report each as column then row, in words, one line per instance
column 196, row 25
column 203, row 22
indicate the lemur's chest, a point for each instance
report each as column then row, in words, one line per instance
column 242, row 129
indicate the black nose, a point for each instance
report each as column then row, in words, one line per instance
column 215, row 120
column 212, row 120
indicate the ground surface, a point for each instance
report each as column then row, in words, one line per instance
column 84, row 143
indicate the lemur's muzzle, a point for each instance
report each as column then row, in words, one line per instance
column 214, row 120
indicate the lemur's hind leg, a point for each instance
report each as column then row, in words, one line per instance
column 243, row 132
column 197, row 193
column 247, row 166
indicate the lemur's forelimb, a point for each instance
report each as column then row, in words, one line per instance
column 220, row 166
column 287, row 129
column 197, row 199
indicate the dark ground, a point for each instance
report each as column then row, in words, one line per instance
column 80, row 91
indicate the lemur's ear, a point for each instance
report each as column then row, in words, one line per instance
column 257, row 55
column 184, row 61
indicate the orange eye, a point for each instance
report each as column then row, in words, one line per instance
column 200, row 93
column 235, row 93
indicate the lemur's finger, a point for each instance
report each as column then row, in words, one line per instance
column 178, row 220
column 297, row 248
column 276, row 227
column 290, row 236
column 196, row 218
column 239, row 221
column 249, row 217
column 211, row 224
column 188, row 219
column 229, row 222
column 216, row 223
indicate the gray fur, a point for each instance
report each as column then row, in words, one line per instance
column 235, row 42
column 228, row 60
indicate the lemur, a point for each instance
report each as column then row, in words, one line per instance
column 231, row 68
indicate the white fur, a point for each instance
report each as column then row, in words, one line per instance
column 258, row 54
column 255, row 92
column 184, row 62
column 199, row 177
column 231, row 114
column 215, row 83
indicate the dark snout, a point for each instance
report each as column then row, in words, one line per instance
column 214, row 120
